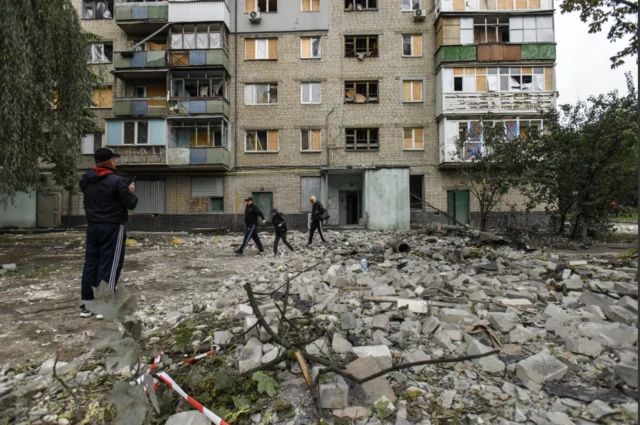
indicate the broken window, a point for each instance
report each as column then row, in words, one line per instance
column 201, row 36
column 361, row 46
column 361, row 91
column 97, row 9
column 310, row 140
column 261, row 141
column 413, row 139
column 531, row 29
column 261, row 48
column 136, row 132
column 260, row 94
column 267, row 6
column 471, row 133
column 140, row 91
column 516, row 79
column 100, row 53
column 412, row 45
column 310, row 47
column 201, row 133
column 210, row 83
column 310, row 93
column 527, row 127
column 412, row 91
column 351, row 5
column 487, row 29
column 361, row 139
column 416, row 192
column 468, row 80
column 310, row 5
column 410, row 5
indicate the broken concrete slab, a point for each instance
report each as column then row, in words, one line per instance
column 628, row 373
column 341, row 345
column 491, row 364
column 380, row 353
column 366, row 366
column 629, row 303
column 540, row 368
column 415, row 306
column 333, row 392
column 503, row 322
column 619, row 314
column 192, row 417
column 454, row 315
column 381, row 321
column 589, row 298
column 583, row 346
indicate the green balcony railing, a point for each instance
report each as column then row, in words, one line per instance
column 132, row 60
column 142, row 11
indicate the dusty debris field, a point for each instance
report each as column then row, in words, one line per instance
column 563, row 326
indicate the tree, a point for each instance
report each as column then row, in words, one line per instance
column 586, row 159
column 45, row 86
column 624, row 16
column 488, row 164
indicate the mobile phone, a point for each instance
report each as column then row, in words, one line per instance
column 132, row 180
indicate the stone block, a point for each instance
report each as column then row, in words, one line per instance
column 491, row 364
column 540, row 368
column 192, row 417
column 619, row 314
column 242, row 311
column 222, row 337
column 319, row 347
column 628, row 373
column 503, row 322
column 348, row 321
column 384, row 291
column 629, row 303
column 583, row 346
column 415, row 306
column 411, row 326
column 376, row 388
column 589, row 298
column 333, row 392
column 430, row 325
column 454, row 315
column 340, row 344
column 380, row 353
column 381, row 321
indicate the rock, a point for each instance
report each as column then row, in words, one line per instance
column 415, row 306
column 222, row 337
column 271, row 355
column 384, row 291
column 249, row 322
column 381, row 321
column 628, row 373
column 628, row 303
column 348, row 321
column 599, row 408
column 341, row 345
column 559, row 418
column 250, row 358
column 610, row 335
column 446, row 399
column 553, row 310
column 430, row 325
column 503, row 322
column 444, row 340
column 414, row 356
column 578, row 263
column 491, row 364
column 46, row 368
column 478, row 295
column 338, row 282
column 453, row 315
column 192, row 417
column 63, row 421
column 333, row 392
column 540, row 368
column 619, row 314
column 242, row 311
column 514, row 302
column 376, row 388
column 383, row 404
column 353, row 413
column 625, row 288
column 589, row 298
column 583, row 346
column 411, row 326
column 380, row 354
column 255, row 418
column 319, row 347
column 173, row 317
column 520, row 335
column 11, row 266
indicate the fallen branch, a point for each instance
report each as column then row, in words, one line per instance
column 55, row 376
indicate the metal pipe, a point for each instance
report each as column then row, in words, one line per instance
column 235, row 84
column 399, row 245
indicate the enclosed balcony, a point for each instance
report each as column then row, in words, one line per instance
column 138, row 141
column 199, row 11
column 141, row 155
column 141, row 95
column 139, row 17
column 199, row 141
column 199, row 45
column 504, row 6
column 199, row 92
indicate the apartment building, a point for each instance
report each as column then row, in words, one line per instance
column 359, row 102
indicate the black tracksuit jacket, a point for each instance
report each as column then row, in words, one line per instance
column 106, row 196
column 251, row 214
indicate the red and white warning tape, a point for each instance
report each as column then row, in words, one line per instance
column 208, row 413
column 203, row 355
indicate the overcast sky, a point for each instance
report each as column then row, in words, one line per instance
column 583, row 61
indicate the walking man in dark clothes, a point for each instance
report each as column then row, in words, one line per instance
column 251, row 214
column 280, row 226
column 107, row 197
column 316, row 211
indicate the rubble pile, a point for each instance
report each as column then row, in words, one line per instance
column 564, row 329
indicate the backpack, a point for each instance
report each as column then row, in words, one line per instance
column 324, row 215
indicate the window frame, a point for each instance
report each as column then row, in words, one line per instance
column 267, row 3
column 362, row 9
column 309, row 132
column 355, row 135
column 411, row 82
column 368, row 53
column 311, row 47
column 105, row 88
column 136, row 132
column 95, row 2
column 413, row 139
column 310, row 85
column 210, row 202
column 411, row 4
column 310, row 2
column 270, row 87
column 246, row 134
column 93, row 137
column 104, row 44
column 368, row 90
column 487, row 26
column 223, row 124
column 411, row 37
column 210, row 82
column 220, row 30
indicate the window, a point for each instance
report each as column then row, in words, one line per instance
column 201, row 36
column 531, row 29
column 361, row 91
column 310, row 93
column 197, row 133
column 100, row 53
column 91, row 143
column 411, row 91
column 416, row 192
column 102, row 98
column 310, row 5
column 194, row 84
column 410, row 5
column 361, row 139
column 361, row 46
column 471, row 133
column 265, row 6
column 503, row 79
column 412, row 45
column 136, row 132
column 310, row 47
column 350, row 5
column 486, row 29
column 262, row 141
column 413, row 139
column 209, row 187
column 310, row 140
column 97, row 9
column 261, row 94
column 261, row 48
column 140, row 91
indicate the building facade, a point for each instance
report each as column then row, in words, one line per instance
column 359, row 102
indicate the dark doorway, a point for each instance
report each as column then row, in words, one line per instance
column 416, row 192
column 349, row 207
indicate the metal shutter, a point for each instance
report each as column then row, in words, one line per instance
column 310, row 186
column 207, row 187
column 150, row 195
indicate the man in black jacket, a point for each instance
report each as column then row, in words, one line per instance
column 280, row 226
column 251, row 214
column 316, row 222
column 107, row 197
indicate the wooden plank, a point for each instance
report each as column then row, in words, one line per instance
column 250, row 49
column 273, row 48
column 272, row 141
column 548, row 78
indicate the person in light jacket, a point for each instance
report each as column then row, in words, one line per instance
column 280, row 226
column 316, row 222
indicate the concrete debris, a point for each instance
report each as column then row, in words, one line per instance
column 192, row 417
column 540, row 368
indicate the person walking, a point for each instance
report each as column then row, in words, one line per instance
column 251, row 214
column 107, row 197
column 280, row 226
column 317, row 211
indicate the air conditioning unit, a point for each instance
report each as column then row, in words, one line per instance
column 254, row 17
column 419, row 15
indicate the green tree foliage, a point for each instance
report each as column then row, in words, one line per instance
column 586, row 159
column 43, row 63
column 623, row 16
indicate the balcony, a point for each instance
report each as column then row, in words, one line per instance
column 199, row 107
column 495, row 52
column 213, row 57
column 141, row 155
column 153, row 59
column 147, row 107
column 199, row 11
column 208, row 156
column 465, row 6
column 484, row 103
column 140, row 18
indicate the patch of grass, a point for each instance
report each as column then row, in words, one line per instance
column 632, row 218
column 621, row 238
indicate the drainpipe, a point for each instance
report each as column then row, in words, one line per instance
column 69, row 210
column 235, row 84
column 326, row 122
